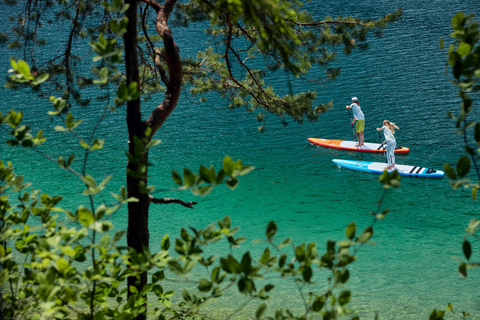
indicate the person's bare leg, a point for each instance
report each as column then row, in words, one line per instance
column 360, row 138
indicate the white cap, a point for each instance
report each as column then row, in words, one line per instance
column 355, row 99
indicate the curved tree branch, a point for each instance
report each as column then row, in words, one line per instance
column 171, row 200
column 318, row 23
column 155, row 53
column 174, row 64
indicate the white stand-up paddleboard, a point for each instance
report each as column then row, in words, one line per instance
column 379, row 167
column 351, row 145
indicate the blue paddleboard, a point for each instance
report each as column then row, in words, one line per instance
column 379, row 167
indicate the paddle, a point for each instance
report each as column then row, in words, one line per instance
column 353, row 129
column 384, row 147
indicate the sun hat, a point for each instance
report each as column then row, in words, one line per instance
column 355, row 99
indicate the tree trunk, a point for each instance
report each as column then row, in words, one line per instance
column 137, row 230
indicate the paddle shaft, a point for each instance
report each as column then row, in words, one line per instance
column 353, row 128
column 384, row 147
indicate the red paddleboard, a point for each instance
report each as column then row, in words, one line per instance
column 351, row 146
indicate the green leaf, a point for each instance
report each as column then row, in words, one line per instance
column 458, row 21
column 285, row 243
column 203, row 191
column 119, row 235
column 60, row 129
column 133, row 93
column 177, row 178
column 122, row 91
column 42, row 78
column 350, row 231
column 217, row 276
column 175, row 267
column 158, row 276
column 24, row 69
column 189, row 177
column 97, row 144
column 449, row 171
column 85, row 216
column 89, row 181
column 230, row 265
column 260, row 310
column 344, row 297
column 228, row 166
column 473, row 225
column 186, row 296
column 467, row 249
column 463, row 166
column 436, row 315
column 206, row 174
column 318, row 304
column 69, row 121
column 245, row 170
column 342, row 276
column 220, row 176
column 105, row 181
column 271, row 229
column 62, row 264
column 462, row 270
column 204, row 285
column 226, row 222
column 68, row 250
column 464, row 49
column 3, row 276
column 232, row 183
column 84, row 144
column 307, row 273
column 103, row 76
column 477, row 133
column 14, row 64
column 153, row 143
column 246, row 263
column 467, row 103
column 281, row 261
column 366, row 235
column 246, row 286
column 165, row 242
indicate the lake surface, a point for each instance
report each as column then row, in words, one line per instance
column 400, row 77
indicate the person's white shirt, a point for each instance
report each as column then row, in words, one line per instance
column 357, row 111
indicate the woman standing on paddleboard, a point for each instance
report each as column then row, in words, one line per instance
column 360, row 118
column 389, row 131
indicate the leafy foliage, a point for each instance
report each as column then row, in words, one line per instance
column 55, row 270
column 58, row 263
column 464, row 63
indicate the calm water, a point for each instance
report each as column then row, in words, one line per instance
column 411, row 270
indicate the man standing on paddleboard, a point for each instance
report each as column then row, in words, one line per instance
column 360, row 118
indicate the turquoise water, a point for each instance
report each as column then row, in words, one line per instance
column 401, row 77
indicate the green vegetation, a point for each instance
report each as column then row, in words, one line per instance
column 58, row 263
column 464, row 63
column 53, row 270
column 464, row 60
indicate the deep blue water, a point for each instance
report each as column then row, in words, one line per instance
column 401, row 77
